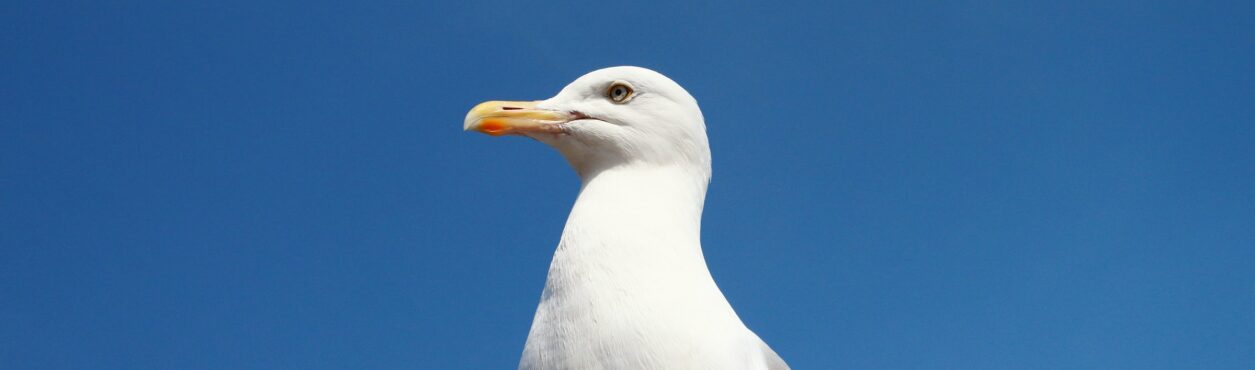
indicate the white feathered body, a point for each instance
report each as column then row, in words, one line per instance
column 628, row 287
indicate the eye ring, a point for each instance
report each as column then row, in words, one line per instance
column 620, row 92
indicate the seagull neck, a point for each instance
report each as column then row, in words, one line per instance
column 630, row 266
column 638, row 209
column 635, row 231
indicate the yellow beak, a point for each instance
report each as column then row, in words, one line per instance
column 498, row 118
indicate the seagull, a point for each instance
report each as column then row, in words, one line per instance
column 628, row 287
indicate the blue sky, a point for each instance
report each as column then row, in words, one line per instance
column 212, row 185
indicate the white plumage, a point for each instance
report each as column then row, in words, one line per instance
column 628, row 287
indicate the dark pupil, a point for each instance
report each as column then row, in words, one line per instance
column 618, row 91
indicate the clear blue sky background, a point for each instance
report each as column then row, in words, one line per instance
column 974, row 185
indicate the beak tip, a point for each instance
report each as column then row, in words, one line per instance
column 469, row 122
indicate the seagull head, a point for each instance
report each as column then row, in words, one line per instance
column 618, row 116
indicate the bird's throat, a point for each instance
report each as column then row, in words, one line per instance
column 629, row 265
column 638, row 210
column 636, row 231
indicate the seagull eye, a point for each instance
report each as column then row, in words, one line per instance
column 619, row 92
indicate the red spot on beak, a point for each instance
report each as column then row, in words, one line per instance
column 493, row 127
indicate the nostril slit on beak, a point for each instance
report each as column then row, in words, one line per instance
column 511, row 108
